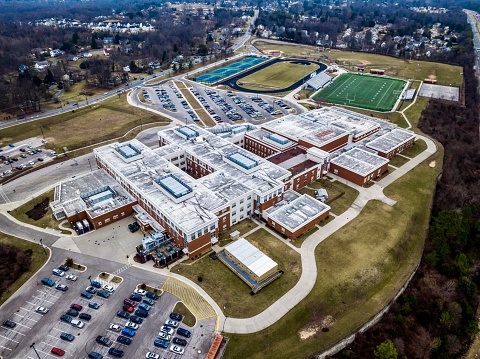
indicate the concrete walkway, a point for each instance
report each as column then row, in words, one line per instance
column 307, row 251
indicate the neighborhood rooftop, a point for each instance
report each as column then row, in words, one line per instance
column 359, row 161
column 391, row 140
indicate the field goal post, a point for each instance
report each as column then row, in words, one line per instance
column 350, row 100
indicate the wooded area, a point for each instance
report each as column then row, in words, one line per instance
column 13, row 262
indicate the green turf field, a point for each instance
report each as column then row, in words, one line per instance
column 277, row 76
column 364, row 91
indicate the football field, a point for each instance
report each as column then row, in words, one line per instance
column 364, row 91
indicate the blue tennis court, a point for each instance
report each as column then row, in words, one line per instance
column 236, row 67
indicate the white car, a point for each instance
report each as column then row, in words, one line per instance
column 115, row 327
column 41, row 310
column 140, row 291
column 77, row 323
column 108, row 288
column 58, row 272
column 167, row 330
column 151, row 355
column 71, row 277
column 171, row 323
column 131, row 325
column 31, row 163
column 164, row 336
column 176, row 349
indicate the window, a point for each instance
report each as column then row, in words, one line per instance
column 122, row 214
column 192, row 237
column 199, row 233
column 224, row 219
column 283, row 230
column 273, row 224
column 99, row 223
column 241, row 209
column 224, row 227
column 249, row 205
column 234, row 205
column 335, row 171
column 241, row 201
column 115, row 216
column 107, row 220
column 205, row 230
column 249, row 198
column 234, row 213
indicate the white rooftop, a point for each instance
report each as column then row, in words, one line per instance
column 193, row 213
column 299, row 128
column 359, row 161
column 251, row 257
column 296, row 210
column 391, row 140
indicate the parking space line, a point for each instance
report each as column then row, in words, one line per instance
column 57, row 329
column 13, row 340
column 23, row 325
column 33, row 320
column 25, row 309
column 44, row 300
column 1, row 346
column 46, row 353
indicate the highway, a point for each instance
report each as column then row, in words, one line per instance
column 473, row 19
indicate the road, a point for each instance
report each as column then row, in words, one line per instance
column 240, row 42
column 473, row 19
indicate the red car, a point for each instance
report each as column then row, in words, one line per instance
column 129, row 302
column 58, row 351
column 128, row 308
column 76, row 306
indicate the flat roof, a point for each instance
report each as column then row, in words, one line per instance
column 299, row 128
column 296, row 212
column 391, row 140
column 251, row 257
column 189, row 214
column 359, row 161
column 350, row 121
column 284, row 156
column 96, row 193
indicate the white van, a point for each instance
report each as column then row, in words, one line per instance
column 58, row 272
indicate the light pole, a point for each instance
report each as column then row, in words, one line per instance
column 45, row 254
column 89, row 280
column 41, row 129
column 35, row 350
column 91, row 170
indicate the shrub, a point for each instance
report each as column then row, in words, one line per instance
column 69, row 262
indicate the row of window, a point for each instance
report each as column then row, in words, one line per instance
column 107, row 220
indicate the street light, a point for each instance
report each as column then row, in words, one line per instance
column 35, row 350
column 41, row 243
column 91, row 170
column 89, row 280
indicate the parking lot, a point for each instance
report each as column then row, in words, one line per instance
column 22, row 155
column 45, row 329
column 222, row 106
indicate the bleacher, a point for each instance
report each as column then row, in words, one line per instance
column 319, row 81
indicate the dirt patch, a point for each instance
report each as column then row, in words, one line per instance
column 39, row 210
column 432, row 164
column 313, row 329
column 432, row 77
column 309, row 332
column 360, row 61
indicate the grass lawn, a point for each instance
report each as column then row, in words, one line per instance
column 393, row 117
column 205, row 117
column 413, row 113
column 188, row 318
column 231, row 292
column 335, row 189
column 73, row 92
column 360, row 268
column 277, row 76
column 243, row 227
column 38, row 260
column 396, row 67
column 297, row 242
column 47, row 221
column 418, row 147
column 87, row 126
column 389, row 170
column 369, row 92
column 398, row 161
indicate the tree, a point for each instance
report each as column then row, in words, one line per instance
column 49, row 77
column 94, row 44
column 75, row 38
column 386, row 350
column 133, row 67
column 69, row 262
column 190, row 64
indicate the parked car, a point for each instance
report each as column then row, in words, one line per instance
column 144, row 306
column 115, row 352
column 131, row 325
column 108, row 288
column 164, row 336
column 76, row 306
column 128, row 332
column 141, row 313
column 95, row 355
column 103, row 294
column 129, row 302
column 184, row 332
column 77, row 323
column 176, row 349
column 58, row 272
column 86, row 294
column 160, row 343
column 9, row 323
column 67, row 336
column 167, row 330
column 64, row 267
column 124, row 340
column 95, row 284
column 133, row 227
column 58, row 351
column 176, row 316
column 148, row 301
column 171, row 323
column 93, row 305
column 41, row 310
column 136, row 297
column 140, row 291
column 103, row 341
column 151, row 355
column 72, row 312
column 179, row 341
column 85, row 316
column 136, row 319
column 128, row 308
column 71, row 277
column 66, row 318
column 152, row 295
column 115, row 327
column 123, row 314
column 91, row 290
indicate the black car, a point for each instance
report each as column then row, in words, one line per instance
column 136, row 297
column 179, row 341
column 85, row 316
column 103, row 294
column 135, row 319
column 152, row 295
column 141, row 313
column 95, row 355
column 115, row 352
column 176, row 316
column 64, row 268
column 124, row 340
column 9, row 324
column 103, row 341
column 123, row 314
column 66, row 336
column 72, row 312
